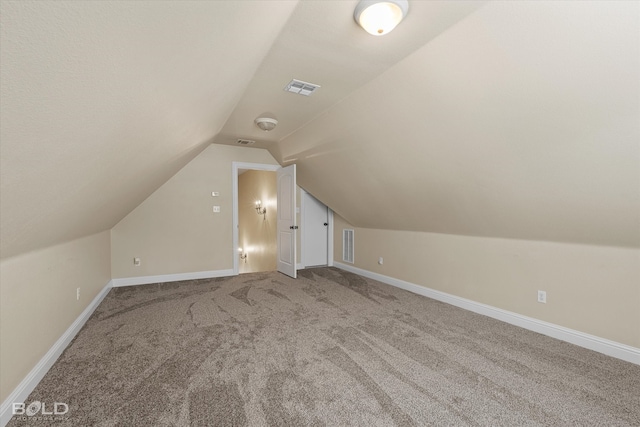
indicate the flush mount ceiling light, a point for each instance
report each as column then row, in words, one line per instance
column 266, row 123
column 379, row 17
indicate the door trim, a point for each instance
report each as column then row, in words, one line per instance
column 330, row 239
column 235, row 167
column 302, row 262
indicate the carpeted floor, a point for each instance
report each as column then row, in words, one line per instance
column 330, row 348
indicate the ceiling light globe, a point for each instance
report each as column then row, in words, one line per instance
column 380, row 17
column 266, row 123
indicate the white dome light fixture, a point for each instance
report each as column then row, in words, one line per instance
column 266, row 123
column 379, row 17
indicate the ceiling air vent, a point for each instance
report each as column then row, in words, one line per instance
column 245, row 142
column 301, row 88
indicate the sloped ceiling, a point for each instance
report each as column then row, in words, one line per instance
column 322, row 44
column 520, row 121
column 506, row 119
column 102, row 101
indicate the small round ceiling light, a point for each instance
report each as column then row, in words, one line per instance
column 379, row 17
column 266, row 123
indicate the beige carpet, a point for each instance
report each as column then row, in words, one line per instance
column 330, row 348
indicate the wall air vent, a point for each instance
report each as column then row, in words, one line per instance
column 301, row 88
column 347, row 245
column 245, row 142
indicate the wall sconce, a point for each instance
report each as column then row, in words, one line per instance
column 242, row 255
column 261, row 210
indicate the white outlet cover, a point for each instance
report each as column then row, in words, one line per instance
column 542, row 297
column 216, row 209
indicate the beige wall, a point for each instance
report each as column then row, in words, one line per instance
column 257, row 233
column 175, row 229
column 592, row 289
column 38, row 300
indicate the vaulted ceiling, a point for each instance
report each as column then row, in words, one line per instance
column 520, row 121
column 502, row 119
column 103, row 101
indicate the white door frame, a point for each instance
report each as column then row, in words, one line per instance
column 303, row 264
column 330, row 239
column 235, row 167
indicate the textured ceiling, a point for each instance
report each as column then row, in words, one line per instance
column 507, row 119
column 520, row 121
column 322, row 44
column 101, row 102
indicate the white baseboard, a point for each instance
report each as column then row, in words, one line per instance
column 592, row 342
column 601, row 345
column 24, row 389
column 299, row 266
column 164, row 278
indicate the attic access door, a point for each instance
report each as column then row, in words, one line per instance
column 287, row 227
column 315, row 231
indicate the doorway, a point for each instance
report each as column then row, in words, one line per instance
column 257, row 213
column 256, row 244
column 257, row 238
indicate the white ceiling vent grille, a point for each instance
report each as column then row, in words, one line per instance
column 347, row 245
column 245, row 142
column 301, row 88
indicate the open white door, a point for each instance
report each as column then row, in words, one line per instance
column 287, row 221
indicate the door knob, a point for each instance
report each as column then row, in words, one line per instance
column 325, row 224
column 293, row 227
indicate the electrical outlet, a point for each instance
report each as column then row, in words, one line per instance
column 542, row 297
column 136, row 262
column 216, row 209
column 77, row 294
column 380, row 261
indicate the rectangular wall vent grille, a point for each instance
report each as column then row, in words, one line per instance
column 301, row 88
column 347, row 246
column 245, row 142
